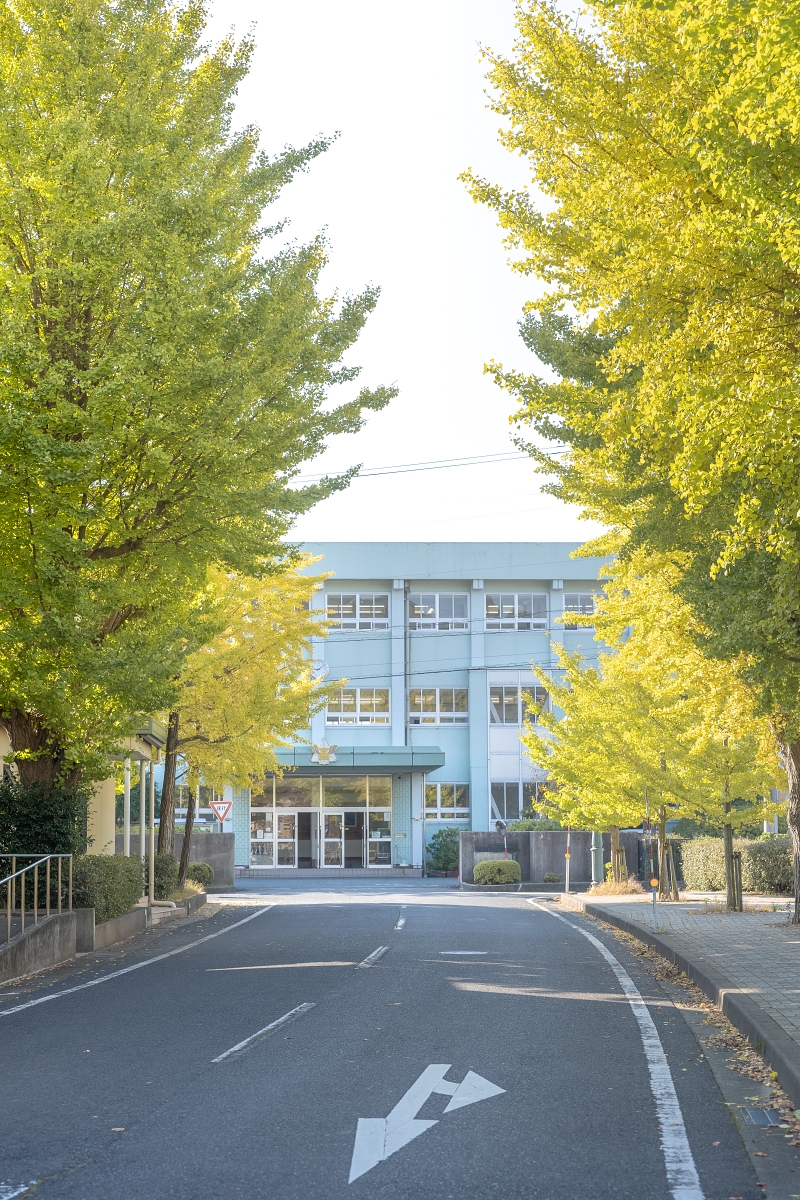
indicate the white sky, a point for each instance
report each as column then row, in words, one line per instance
column 404, row 87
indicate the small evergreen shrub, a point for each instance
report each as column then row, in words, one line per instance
column 497, row 870
column 165, row 875
column 534, row 825
column 200, row 872
column 109, row 883
column 443, row 850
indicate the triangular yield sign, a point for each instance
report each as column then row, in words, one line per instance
column 472, row 1089
column 221, row 808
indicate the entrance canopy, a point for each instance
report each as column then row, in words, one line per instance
column 389, row 759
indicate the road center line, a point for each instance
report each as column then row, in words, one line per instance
column 682, row 1178
column 300, row 1011
column 136, row 966
column 463, row 951
column 371, row 959
column 400, row 922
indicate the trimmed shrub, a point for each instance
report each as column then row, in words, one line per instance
column 40, row 819
column 165, row 875
column 767, row 866
column 534, row 825
column 497, row 870
column 200, row 872
column 443, row 850
column 109, row 883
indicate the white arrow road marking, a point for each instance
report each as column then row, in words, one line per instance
column 377, row 1138
column 371, row 959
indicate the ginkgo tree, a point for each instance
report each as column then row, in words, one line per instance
column 655, row 719
column 249, row 690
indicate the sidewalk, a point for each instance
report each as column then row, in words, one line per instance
column 747, row 963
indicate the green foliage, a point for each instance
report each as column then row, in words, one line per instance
column 162, row 378
column 552, row 877
column 111, row 884
column 443, row 850
column 120, row 803
column 165, row 875
column 767, row 865
column 497, row 870
column 200, row 872
column 534, row 825
column 42, row 819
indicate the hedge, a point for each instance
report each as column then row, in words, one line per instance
column 165, row 875
column 109, row 883
column 443, row 850
column 497, row 870
column 767, row 866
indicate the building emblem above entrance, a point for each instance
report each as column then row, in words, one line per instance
column 323, row 753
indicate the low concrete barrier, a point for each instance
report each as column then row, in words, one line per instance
column 542, row 852
column 216, row 849
column 118, row 928
column 44, row 945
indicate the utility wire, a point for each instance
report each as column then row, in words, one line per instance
column 436, row 464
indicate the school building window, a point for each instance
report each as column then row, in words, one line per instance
column 438, row 706
column 509, row 705
column 358, row 610
column 578, row 602
column 438, row 610
column 505, row 802
column 358, row 706
column 446, row 801
column 516, row 610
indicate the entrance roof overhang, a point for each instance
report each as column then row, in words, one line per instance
column 365, row 758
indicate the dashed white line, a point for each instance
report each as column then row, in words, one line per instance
column 463, row 951
column 300, row 1011
column 400, row 922
column 682, row 1178
column 371, row 959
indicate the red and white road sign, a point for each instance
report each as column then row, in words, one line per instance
column 221, row 809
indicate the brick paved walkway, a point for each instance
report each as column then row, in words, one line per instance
column 759, row 952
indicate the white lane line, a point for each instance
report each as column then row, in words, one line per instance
column 682, row 1178
column 371, row 959
column 6, row 1012
column 463, row 951
column 400, row 922
column 300, row 1011
column 9, row 1190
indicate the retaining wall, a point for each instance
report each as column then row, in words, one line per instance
column 541, row 853
column 216, row 849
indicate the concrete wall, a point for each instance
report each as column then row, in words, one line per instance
column 214, row 848
column 101, row 824
column 50, row 942
column 543, row 853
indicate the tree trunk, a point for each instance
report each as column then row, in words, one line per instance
column 730, row 885
column 791, row 758
column 29, row 734
column 663, row 877
column 614, row 832
column 187, row 837
column 166, row 828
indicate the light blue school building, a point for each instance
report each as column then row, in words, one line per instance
column 434, row 644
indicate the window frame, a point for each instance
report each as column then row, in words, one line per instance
column 582, row 610
column 358, row 624
column 504, row 784
column 523, row 711
column 455, row 718
column 516, row 623
column 376, row 718
column 446, row 812
column 451, row 624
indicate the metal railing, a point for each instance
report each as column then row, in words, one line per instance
column 10, row 884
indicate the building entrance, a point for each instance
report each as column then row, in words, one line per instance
column 326, row 838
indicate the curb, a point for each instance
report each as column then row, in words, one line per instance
column 766, row 1036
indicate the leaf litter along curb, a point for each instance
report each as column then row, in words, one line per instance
column 745, row 1060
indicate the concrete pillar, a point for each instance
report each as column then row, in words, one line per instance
column 101, row 823
column 126, row 815
column 597, row 858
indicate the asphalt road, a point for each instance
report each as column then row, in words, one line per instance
column 111, row 1090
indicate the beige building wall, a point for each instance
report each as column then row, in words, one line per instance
column 101, row 824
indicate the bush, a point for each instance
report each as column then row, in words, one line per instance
column 40, row 819
column 201, row 873
column 767, row 866
column 109, row 883
column 165, row 875
column 497, row 870
column 443, row 850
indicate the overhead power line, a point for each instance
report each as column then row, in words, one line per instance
column 436, row 464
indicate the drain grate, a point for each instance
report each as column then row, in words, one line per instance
column 761, row 1116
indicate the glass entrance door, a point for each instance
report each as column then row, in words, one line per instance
column 287, row 839
column 343, row 839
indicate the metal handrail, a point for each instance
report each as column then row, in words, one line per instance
column 11, row 888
